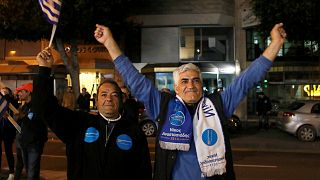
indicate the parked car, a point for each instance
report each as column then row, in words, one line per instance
column 148, row 126
column 301, row 118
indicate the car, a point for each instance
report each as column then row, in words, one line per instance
column 148, row 126
column 302, row 119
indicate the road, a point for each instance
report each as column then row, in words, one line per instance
column 276, row 166
column 249, row 164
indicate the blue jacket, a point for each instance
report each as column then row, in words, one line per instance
column 186, row 166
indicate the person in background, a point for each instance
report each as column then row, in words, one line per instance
column 68, row 99
column 8, row 132
column 131, row 106
column 166, row 90
column 263, row 110
column 84, row 100
column 34, row 135
column 98, row 146
column 94, row 99
column 192, row 141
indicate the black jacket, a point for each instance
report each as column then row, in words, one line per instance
column 33, row 129
column 7, row 130
column 165, row 159
column 263, row 105
column 90, row 157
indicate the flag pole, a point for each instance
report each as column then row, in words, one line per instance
column 14, row 123
column 54, row 27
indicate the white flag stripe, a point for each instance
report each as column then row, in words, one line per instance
column 52, row 8
column 48, row 14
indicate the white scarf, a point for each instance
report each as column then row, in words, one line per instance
column 209, row 139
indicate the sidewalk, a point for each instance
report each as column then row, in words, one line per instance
column 53, row 175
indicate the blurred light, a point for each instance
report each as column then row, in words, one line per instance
column 288, row 114
column 228, row 70
column 237, row 67
column 12, row 52
column 67, row 49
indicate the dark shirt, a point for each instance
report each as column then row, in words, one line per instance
column 7, row 130
column 33, row 129
column 95, row 149
column 84, row 102
column 131, row 107
column 263, row 105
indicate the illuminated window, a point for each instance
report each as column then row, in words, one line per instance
column 206, row 43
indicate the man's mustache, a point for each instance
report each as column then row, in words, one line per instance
column 191, row 90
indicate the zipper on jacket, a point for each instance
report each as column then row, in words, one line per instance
column 108, row 133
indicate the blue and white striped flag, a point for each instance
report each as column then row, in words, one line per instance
column 3, row 106
column 51, row 10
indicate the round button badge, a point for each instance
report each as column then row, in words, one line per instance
column 209, row 137
column 124, row 142
column 92, row 134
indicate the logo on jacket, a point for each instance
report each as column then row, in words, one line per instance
column 124, row 142
column 92, row 134
column 177, row 119
column 209, row 137
column 30, row 115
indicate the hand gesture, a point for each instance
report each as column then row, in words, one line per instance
column 278, row 36
column 45, row 58
column 278, row 33
column 103, row 34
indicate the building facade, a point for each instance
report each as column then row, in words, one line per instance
column 217, row 35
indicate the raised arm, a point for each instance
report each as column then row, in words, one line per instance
column 62, row 121
column 278, row 36
column 104, row 36
column 238, row 89
column 141, row 87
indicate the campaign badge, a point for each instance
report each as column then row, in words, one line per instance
column 209, row 137
column 92, row 134
column 124, row 142
column 30, row 115
column 177, row 119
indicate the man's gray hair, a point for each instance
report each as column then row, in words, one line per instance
column 184, row 68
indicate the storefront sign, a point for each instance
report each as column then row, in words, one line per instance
column 88, row 49
column 312, row 90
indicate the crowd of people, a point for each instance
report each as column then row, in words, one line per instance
column 192, row 142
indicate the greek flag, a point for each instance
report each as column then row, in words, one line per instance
column 3, row 105
column 51, row 10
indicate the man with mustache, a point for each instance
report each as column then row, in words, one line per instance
column 102, row 146
column 201, row 148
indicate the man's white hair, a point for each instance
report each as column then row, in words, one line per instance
column 184, row 68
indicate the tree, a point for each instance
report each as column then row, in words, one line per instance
column 23, row 20
column 301, row 19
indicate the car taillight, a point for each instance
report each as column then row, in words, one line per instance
column 141, row 110
column 289, row 114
